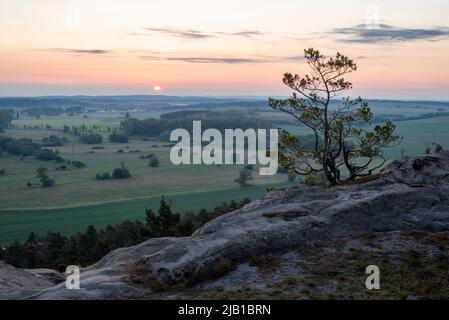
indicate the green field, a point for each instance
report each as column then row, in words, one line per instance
column 78, row 186
column 78, row 199
column 101, row 119
column 17, row 224
column 417, row 135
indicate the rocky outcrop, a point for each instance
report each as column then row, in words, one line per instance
column 18, row 282
column 409, row 195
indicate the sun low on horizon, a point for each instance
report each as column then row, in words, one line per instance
column 75, row 47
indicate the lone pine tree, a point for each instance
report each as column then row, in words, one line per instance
column 343, row 147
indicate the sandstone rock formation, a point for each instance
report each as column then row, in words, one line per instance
column 409, row 195
column 14, row 281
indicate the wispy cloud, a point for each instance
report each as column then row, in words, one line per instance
column 226, row 60
column 246, row 34
column 81, row 51
column 197, row 34
column 189, row 34
column 386, row 33
column 207, row 59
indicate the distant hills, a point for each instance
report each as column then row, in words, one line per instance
column 162, row 100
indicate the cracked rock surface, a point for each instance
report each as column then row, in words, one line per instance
column 409, row 195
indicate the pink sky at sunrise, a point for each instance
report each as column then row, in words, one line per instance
column 229, row 47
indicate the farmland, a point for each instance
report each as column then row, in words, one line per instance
column 17, row 224
column 79, row 199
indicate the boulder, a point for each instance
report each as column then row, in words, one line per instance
column 14, row 280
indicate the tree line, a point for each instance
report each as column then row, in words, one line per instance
column 6, row 115
column 162, row 127
column 56, row 251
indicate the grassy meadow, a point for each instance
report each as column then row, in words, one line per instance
column 417, row 135
column 79, row 187
column 78, row 199
column 17, row 224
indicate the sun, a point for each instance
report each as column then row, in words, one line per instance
column 157, row 88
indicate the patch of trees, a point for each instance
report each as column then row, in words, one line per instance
column 49, row 155
column 56, row 251
column 19, row 147
column 103, row 176
column 438, row 148
column 2, row 172
column 26, row 147
column 121, row 173
column 162, row 127
column 72, row 111
column 91, row 138
column 397, row 118
column 245, row 175
column 77, row 164
column 154, row 162
column 37, row 112
column 6, row 116
column 117, row 173
column 41, row 174
column 41, row 102
column 118, row 138
column 45, row 111
column 53, row 141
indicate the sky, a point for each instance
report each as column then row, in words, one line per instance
column 233, row 47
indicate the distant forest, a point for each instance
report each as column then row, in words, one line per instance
column 184, row 119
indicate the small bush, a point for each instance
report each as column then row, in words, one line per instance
column 78, row 164
column 315, row 179
column 48, row 155
column 141, row 274
column 104, row 176
column 265, row 264
column 439, row 148
column 91, row 138
column 59, row 159
column 154, row 162
column 121, row 173
column 245, row 175
column 44, row 178
column 53, row 141
column 211, row 271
